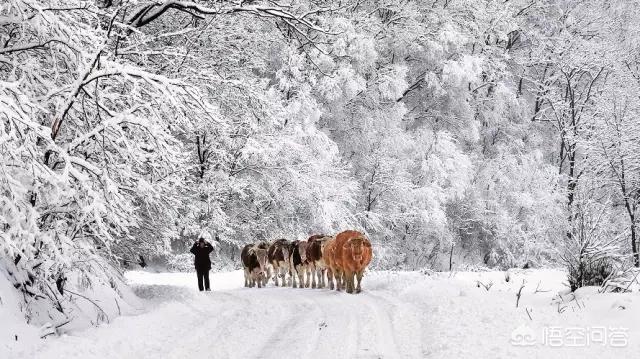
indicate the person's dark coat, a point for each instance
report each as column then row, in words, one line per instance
column 202, row 260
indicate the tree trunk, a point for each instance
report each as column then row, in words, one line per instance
column 451, row 257
column 571, row 186
column 634, row 247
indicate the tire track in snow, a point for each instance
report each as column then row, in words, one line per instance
column 295, row 333
column 386, row 341
column 405, row 328
column 195, row 338
column 333, row 340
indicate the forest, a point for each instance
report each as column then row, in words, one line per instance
column 455, row 133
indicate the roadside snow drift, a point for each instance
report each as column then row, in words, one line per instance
column 398, row 315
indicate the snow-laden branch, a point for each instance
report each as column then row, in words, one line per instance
column 153, row 11
column 37, row 45
column 77, row 87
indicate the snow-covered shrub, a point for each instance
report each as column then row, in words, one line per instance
column 182, row 262
column 586, row 271
column 593, row 248
column 623, row 281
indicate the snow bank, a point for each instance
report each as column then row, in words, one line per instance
column 87, row 301
column 14, row 330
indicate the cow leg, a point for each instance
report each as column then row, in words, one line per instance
column 293, row 273
column 267, row 275
column 320, row 277
column 345, row 281
column 254, row 279
column 348, row 277
column 330, row 278
column 338, row 276
column 359, row 276
column 307, row 274
column 325, row 277
column 311, row 272
column 276, row 271
column 246, row 277
column 257, row 280
column 283, row 275
column 301, row 271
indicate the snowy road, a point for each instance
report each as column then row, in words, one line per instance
column 399, row 315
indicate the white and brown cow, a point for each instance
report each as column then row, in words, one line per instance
column 278, row 256
column 297, row 259
column 316, row 266
column 254, row 261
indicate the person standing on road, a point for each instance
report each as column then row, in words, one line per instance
column 201, row 250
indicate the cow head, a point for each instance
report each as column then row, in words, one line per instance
column 285, row 253
column 302, row 248
column 261, row 255
column 323, row 243
column 356, row 245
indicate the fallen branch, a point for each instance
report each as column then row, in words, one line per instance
column 63, row 323
column 92, row 302
column 486, row 286
column 538, row 290
column 519, row 294
column 631, row 282
column 561, row 309
column 118, row 305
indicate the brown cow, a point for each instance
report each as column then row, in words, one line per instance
column 316, row 266
column 329, row 256
column 278, row 255
column 352, row 256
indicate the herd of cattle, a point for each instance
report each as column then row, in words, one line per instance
column 342, row 258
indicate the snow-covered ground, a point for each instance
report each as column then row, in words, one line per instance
column 398, row 315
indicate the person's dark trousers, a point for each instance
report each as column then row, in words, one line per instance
column 203, row 275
